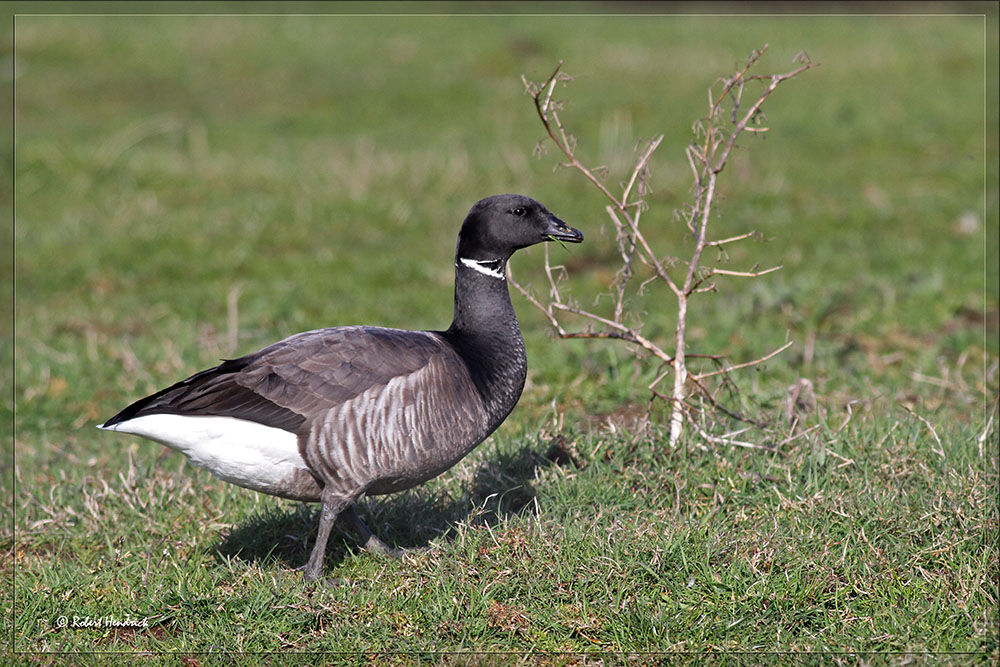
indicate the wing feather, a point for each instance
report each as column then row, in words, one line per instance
column 294, row 379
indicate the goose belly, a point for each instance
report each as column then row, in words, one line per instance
column 245, row 453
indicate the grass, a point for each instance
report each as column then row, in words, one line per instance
column 175, row 174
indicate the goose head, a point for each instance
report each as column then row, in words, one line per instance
column 498, row 226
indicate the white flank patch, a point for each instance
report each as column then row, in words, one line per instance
column 481, row 267
column 235, row 450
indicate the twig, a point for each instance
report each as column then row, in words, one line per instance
column 639, row 339
column 545, row 111
column 731, row 239
column 624, row 333
column 940, row 450
column 850, row 415
column 755, row 362
column 844, row 461
column 640, row 166
column 649, row 255
column 800, row 434
column 719, row 406
column 744, row 274
column 730, row 441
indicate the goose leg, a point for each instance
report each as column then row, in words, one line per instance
column 333, row 506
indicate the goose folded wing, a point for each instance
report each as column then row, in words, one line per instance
column 285, row 383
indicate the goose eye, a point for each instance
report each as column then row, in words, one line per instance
column 519, row 211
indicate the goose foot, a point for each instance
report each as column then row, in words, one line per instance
column 329, row 582
column 334, row 509
column 371, row 542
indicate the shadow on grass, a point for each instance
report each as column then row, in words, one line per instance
column 501, row 487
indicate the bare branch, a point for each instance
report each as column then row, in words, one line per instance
column 730, row 441
column 744, row 274
column 535, row 302
column 638, row 339
column 800, row 434
column 731, row 239
column 775, row 80
column 940, row 450
column 649, row 255
column 640, row 166
column 564, row 143
column 745, row 364
column 719, row 406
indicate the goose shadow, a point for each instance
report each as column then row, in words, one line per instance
column 501, row 487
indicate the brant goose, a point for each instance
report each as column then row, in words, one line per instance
column 335, row 414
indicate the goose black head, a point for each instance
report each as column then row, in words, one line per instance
column 499, row 225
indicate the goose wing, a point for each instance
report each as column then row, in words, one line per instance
column 287, row 382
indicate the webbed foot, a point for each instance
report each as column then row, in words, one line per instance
column 371, row 542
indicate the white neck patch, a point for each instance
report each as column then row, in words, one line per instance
column 480, row 266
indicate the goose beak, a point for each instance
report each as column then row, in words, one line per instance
column 560, row 231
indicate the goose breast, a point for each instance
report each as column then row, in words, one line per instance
column 397, row 434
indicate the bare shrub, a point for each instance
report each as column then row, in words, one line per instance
column 732, row 110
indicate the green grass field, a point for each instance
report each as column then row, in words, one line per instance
column 187, row 188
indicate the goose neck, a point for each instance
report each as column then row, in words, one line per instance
column 486, row 334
